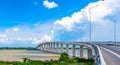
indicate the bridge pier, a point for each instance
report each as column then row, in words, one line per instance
column 42, row 47
column 45, row 47
column 74, row 53
column 67, row 48
column 62, row 49
column 81, row 51
column 54, row 48
column 50, row 47
column 57, row 47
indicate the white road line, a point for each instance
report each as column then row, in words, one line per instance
column 111, row 52
column 101, row 56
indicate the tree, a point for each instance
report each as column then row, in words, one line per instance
column 64, row 57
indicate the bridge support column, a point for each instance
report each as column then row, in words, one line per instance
column 54, row 47
column 81, row 51
column 42, row 47
column 89, row 53
column 45, row 47
column 67, row 48
column 62, row 49
column 74, row 53
column 57, row 48
column 48, row 48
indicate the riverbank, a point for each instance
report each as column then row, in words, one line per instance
column 17, row 55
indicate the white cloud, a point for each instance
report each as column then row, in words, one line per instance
column 4, row 38
column 15, row 29
column 77, row 17
column 49, row 5
column 102, row 9
column 99, row 16
column 45, row 38
column 26, row 33
column 68, row 22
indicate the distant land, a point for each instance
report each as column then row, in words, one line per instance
column 18, row 44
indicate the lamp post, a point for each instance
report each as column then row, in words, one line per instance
column 90, row 21
column 115, row 32
column 81, row 35
column 81, row 32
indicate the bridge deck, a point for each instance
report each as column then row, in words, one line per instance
column 109, row 57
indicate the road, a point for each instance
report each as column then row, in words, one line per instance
column 111, row 54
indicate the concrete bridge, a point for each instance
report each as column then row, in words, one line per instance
column 101, row 52
column 66, row 46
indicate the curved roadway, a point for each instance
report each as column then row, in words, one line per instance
column 111, row 54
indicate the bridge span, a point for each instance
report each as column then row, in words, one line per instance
column 61, row 46
column 92, row 50
column 101, row 52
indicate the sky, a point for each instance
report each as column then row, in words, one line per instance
column 27, row 23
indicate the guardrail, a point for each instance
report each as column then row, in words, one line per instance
column 97, row 55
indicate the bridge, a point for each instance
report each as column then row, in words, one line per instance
column 102, row 52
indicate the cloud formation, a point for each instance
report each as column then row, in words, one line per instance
column 49, row 5
column 45, row 38
column 102, row 14
column 16, row 29
column 38, row 32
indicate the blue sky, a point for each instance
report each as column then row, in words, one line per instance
column 15, row 12
column 31, row 22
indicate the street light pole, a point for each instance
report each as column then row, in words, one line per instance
column 81, row 35
column 90, row 25
column 81, row 32
column 90, row 22
column 115, row 32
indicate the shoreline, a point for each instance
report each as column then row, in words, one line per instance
column 17, row 55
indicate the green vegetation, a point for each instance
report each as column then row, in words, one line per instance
column 63, row 60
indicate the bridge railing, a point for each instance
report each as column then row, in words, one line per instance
column 97, row 55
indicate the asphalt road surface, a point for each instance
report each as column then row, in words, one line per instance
column 111, row 54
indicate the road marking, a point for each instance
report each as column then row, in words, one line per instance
column 111, row 52
column 101, row 56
